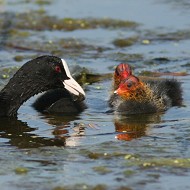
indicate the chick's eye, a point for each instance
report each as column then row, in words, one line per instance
column 117, row 72
column 129, row 84
column 58, row 69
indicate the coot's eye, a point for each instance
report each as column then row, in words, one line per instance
column 58, row 69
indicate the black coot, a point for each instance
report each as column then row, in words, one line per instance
column 36, row 76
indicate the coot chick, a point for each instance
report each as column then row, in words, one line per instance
column 36, row 76
column 122, row 71
column 134, row 96
column 59, row 101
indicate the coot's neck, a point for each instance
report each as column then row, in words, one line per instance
column 19, row 89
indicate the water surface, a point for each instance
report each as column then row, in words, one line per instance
column 96, row 149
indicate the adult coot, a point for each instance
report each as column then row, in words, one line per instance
column 35, row 76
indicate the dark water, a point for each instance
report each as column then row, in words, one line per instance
column 95, row 150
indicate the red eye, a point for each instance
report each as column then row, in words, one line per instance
column 57, row 69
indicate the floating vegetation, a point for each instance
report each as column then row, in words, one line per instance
column 175, row 36
column 159, row 74
column 125, row 57
column 6, row 73
column 83, row 186
column 164, row 162
column 43, row 2
column 125, row 42
column 132, row 160
column 38, row 2
column 145, row 42
column 158, row 61
column 137, row 160
column 19, row 58
column 102, row 170
column 39, row 20
column 152, row 36
column 128, row 173
column 18, row 33
column 57, row 48
column 89, row 78
column 21, row 170
column 104, row 155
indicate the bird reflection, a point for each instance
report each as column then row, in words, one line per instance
column 134, row 126
column 23, row 136
column 71, row 135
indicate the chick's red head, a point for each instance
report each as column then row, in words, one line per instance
column 131, row 88
column 122, row 72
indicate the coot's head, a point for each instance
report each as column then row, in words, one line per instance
column 35, row 76
column 122, row 71
column 51, row 72
column 131, row 89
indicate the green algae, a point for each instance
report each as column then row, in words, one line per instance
column 89, row 78
column 160, row 162
column 147, row 73
column 137, row 160
column 159, row 74
column 39, row 20
column 19, row 58
column 82, row 186
column 128, row 173
column 124, row 188
column 145, row 42
column 158, row 61
column 55, row 47
column 100, row 187
column 6, row 73
column 43, row 2
column 94, row 155
column 125, row 42
column 38, row 2
column 155, row 36
column 170, row 162
column 132, row 160
column 18, row 33
column 125, row 57
column 102, row 170
column 21, row 170
column 105, row 155
column 174, row 36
